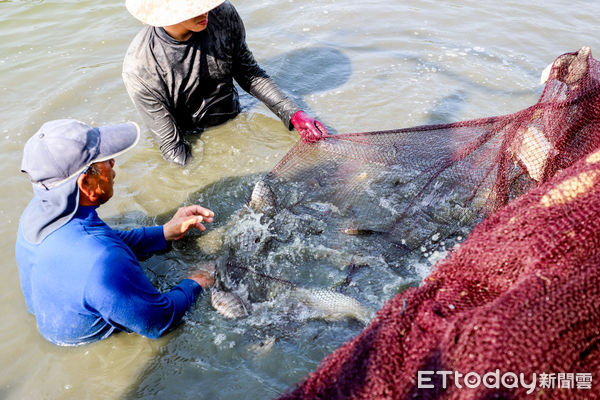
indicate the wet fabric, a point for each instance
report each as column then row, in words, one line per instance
column 83, row 282
column 520, row 295
column 182, row 87
column 49, row 210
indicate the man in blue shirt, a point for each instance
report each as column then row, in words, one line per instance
column 81, row 279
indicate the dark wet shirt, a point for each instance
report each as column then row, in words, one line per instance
column 180, row 87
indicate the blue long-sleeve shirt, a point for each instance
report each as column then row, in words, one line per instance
column 83, row 282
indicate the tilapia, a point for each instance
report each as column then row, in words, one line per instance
column 262, row 199
column 263, row 347
column 228, row 304
column 352, row 231
column 325, row 303
column 332, row 305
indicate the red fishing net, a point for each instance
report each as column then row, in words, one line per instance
column 521, row 295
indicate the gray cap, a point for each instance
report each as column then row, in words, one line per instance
column 54, row 157
column 64, row 148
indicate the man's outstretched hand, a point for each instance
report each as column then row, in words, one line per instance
column 309, row 129
column 186, row 218
column 204, row 278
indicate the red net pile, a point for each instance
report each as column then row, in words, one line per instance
column 522, row 293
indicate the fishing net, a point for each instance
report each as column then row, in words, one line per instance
column 521, row 294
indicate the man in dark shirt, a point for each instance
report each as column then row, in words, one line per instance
column 179, row 72
column 80, row 278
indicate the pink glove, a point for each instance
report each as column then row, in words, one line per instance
column 308, row 128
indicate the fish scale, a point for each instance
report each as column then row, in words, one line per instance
column 228, row 304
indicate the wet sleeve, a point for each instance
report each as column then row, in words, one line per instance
column 158, row 119
column 254, row 80
column 121, row 293
column 144, row 241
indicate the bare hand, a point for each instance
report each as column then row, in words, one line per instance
column 204, row 278
column 186, row 218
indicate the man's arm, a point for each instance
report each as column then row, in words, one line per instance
column 254, row 80
column 146, row 240
column 159, row 120
column 119, row 291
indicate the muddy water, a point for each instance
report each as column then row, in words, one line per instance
column 357, row 66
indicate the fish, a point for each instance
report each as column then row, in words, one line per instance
column 261, row 229
column 263, row 200
column 228, row 304
column 352, row 231
column 326, row 304
column 263, row 347
column 332, row 305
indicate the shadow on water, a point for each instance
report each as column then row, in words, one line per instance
column 5, row 392
column 304, row 72
column 447, row 108
column 310, row 70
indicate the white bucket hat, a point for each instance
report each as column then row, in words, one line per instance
column 169, row 12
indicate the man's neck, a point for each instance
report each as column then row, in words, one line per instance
column 85, row 201
column 178, row 32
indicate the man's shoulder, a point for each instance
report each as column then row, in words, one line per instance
column 84, row 237
column 140, row 46
column 145, row 35
column 225, row 7
column 72, row 243
column 226, row 11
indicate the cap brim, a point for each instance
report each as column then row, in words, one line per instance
column 116, row 140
